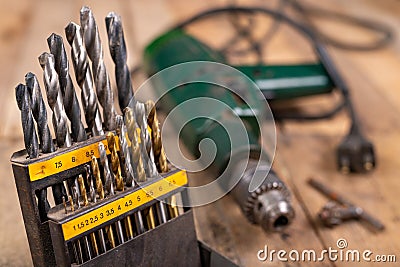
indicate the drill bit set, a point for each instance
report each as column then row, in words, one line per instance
column 112, row 189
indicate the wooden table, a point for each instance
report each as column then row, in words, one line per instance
column 303, row 150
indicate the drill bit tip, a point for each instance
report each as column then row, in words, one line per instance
column 71, row 30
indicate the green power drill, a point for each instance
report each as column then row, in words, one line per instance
column 262, row 196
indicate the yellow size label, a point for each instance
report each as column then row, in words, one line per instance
column 120, row 206
column 60, row 163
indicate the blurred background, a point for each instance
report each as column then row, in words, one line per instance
column 304, row 150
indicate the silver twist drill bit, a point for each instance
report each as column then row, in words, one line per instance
column 109, row 184
column 94, row 49
column 54, row 98
column 117, row 46
column 71, row 104
column 84, row 78
column 147, row 147
column 46, row 141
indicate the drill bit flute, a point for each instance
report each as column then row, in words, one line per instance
column 46, row 141
column 84, row 78
column 95, row 51
column 129, row 173
column 60, row 120
column 109, row 183
column 31, row 140
column 70, row 100
column 118, row 53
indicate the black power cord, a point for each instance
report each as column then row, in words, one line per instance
column 355, row 153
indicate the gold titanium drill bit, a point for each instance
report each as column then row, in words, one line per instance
column 100, row 192
column 71, row 104
column 115, row 164
column 85, row 201
column 109, row 183
column 147, row 154
column 147, row 149
column 159, row 153
column 117, row 46
column 101, row 79
column 126, row 152
column 96, row 174
column 84, row 78
column 158, row 149
column 134, row 138
column 124, row 149
column 116, row 168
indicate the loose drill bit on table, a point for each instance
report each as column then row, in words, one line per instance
column 362, row 215
column 71, row 104
column 118, row 53
column 84, row 78
column 101, row 79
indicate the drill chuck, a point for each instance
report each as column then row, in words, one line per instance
column 269, row 205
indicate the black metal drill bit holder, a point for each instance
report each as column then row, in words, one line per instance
column 171, row 243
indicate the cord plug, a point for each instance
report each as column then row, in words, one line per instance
column 355, row 154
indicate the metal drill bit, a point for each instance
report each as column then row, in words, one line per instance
column 94, row 49
column 28, row 127
column 108, row 175
column 84, row 78
column 146, row 145
column 96, row 174
column 46, row 141
column 115, row 165
column 54, row 98
column 173, row 208
column 82, row 189
column 158, row 149
column 39, row 113
column 151, row 222
column 71, row 104
column 117, row 46
column 85, row 201
column 109, row 185
column 100, row 192
column 133, row 136
column 31, row 141
column 375, row 223
column 89, row 179
column 124, row 148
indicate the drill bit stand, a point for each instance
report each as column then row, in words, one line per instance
column 51, row 241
